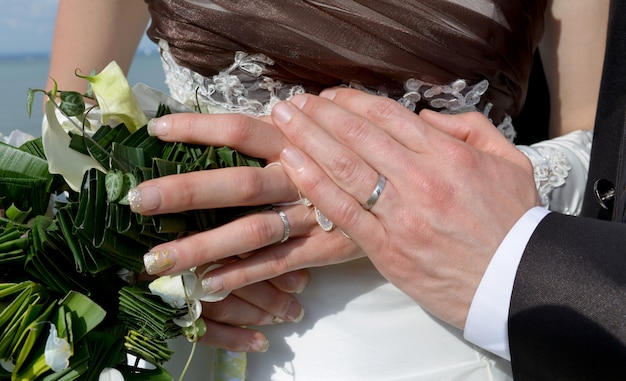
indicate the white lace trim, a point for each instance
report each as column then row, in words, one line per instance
column 551, row 168
column 242, row 88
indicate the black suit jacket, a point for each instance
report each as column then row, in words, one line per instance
column 567, row 319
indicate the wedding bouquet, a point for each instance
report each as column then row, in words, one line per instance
column 72, row 302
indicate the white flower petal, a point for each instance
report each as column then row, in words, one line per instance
column 7, row 365
column 187, row 320
column 57, row 351
column 62, row 160
column 199, row 293
column 170, row 289
column 16, row 138
column 115, row 97
column 111, row 374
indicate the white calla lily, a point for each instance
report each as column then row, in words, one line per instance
column 62, row 160
column 115, row 97
column 57, row 351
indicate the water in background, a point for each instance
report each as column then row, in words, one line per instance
column 17, row 74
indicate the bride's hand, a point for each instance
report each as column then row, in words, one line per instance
column 253, row 239
column 255, row 305
column 432, row 227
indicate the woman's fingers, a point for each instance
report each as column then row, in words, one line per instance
column 252, row 136
column 233, row 338
column 257, row 304
column 291, row 282
column 235, row 311
column 216, row 188
column 281, row 305
column 319, row 249
column 238, row 237
column 241, row 186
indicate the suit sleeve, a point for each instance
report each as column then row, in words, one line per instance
column 567, row 319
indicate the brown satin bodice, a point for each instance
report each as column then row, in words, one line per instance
column 377, row 43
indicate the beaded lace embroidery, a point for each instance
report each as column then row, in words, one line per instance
column 242, row 88
column 551, row 167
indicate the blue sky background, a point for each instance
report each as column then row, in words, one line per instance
column 26, row 27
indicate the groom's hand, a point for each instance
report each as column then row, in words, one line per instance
column 446, row 205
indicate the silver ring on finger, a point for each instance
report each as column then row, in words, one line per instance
column 286, row 224
column 378, row 189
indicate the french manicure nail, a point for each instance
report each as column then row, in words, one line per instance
column 260, row 345
column 212, row 285
column 303, row 285
column 142, row 199
column 159, row 260
column 158, row 127
column 295, row 312
column 298, row 282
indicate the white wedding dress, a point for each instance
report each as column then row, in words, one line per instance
column 358, row 326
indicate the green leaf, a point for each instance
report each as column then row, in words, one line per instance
column 129, row 182
column 86, row 314
column 31, row 342
column 24, row 179
column 19, row 216
column 113, row 181
column 72, row 103
column 30, row 97
column 34, row 147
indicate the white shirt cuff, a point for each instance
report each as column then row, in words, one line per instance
column 487, row 319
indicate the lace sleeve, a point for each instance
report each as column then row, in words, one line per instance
column 561, row 165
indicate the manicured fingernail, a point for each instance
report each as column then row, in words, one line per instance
column 142, row 199
column 261, row 345
column 328, row 94
column 212, row 285
column 283, row 112
column 159, row 260
column 158, row 127
column 298, row 282
column 292, row 158
column 303, row 285
column 295, row 313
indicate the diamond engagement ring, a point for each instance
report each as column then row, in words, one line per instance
column 378, row 189
column 286, row 224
